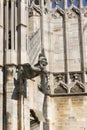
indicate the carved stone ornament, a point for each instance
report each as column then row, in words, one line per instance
column 35, row 7
column 42, row 62
column 48, row 90
column 55, row 15
column 58, row 12
column 27, row 71
column 75, row 77
column 30, row 12
column 71, row 14
column 76, row 86
column 59, row 85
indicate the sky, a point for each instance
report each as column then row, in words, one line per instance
column 84, row 2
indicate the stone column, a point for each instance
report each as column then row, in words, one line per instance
column 27, row 107
column 12, row 24
column 22, row 31
column 42, row 28
column 11, row 100
column 1, row 28
column 7, row 22
column 48, row 4
column 22, row 55
column 65, row 4
column 26, row 114
column 15, row 10
column 1, row 99
column 1, row 63
column 66, row 46
column 80, row 3
column 81, row 43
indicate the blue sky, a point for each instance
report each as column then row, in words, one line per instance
column 75, row 2
column 85, row 2
column 54, row 4
column 69, row 3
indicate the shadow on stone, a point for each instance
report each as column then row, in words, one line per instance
column 15, row 93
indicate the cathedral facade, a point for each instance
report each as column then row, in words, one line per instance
column 43, row 64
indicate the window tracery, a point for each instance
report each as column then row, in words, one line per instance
column 74, row 2
column 55, row 3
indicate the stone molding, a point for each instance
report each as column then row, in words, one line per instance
column 61, row 87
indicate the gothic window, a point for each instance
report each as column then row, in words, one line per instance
column 69, row 3
column 84, row 2
column 75, row 2
column 53, row 4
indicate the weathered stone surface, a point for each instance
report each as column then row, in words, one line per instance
column 27, row 31
column 67, row 112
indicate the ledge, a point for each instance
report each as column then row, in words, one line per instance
column 67, row 94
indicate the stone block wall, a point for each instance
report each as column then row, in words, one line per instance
column 67, row 112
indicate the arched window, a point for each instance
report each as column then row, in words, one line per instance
column 84, row 2
column 76, row 3
column 69, row 3
column 53, row 4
